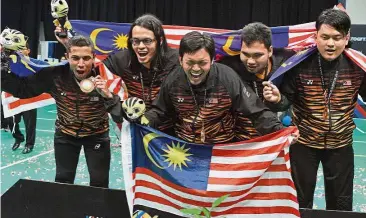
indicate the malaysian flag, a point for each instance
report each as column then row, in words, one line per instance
column 25, row 67
column 109, row 37
column 165, row 176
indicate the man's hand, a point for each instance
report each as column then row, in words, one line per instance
column 101, row 86
column 61, row 40
column 295, row 136
column 271, row 92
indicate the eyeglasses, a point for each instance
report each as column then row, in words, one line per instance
column 145, row 41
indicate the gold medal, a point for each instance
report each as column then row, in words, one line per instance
column 87, row 85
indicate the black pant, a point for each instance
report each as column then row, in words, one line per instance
column 97, row 154
column 338, row 169
column 30, row 122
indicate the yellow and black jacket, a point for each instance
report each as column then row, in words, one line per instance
column 120, row 65
column 225, row 95
column 279, row 56
column 303, row 88
column 78, row 114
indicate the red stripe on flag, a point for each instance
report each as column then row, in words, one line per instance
column 305, row 30
column 242, row 166
column 247, row 153
column 299, row 38
column 167, row 27
column 361, row 110
column 197, row 203
column 202, row 193
column 20, row 102
column 258, row 210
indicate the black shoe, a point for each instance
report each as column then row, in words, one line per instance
column 16, row 145
column 27, row 149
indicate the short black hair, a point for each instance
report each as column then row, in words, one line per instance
column 257, row 32
column 194, row 41
column 79, row 41
column 335, row 18
column 152, row 23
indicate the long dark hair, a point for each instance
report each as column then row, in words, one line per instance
column 152, row 23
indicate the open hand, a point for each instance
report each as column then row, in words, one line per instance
column 61, row 40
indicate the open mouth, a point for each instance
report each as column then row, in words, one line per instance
column 80, row 72
column 330, row 51
column 143, row 53
column 196, row 75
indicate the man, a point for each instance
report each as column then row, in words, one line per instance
column 30, row 121
column 202, row 97
column 256, row 63
column 82, row 118
column 323, row 90
column 146, row 63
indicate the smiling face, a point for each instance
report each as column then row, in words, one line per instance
column 255, row 56
column 144, row 45
column 196, row 66
column 330, row 42
column 81, row 61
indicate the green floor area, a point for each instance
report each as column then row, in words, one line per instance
column 40, row 164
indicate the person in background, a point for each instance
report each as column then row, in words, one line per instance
column 30, row 123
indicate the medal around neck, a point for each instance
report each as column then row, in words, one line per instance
column 87, row 85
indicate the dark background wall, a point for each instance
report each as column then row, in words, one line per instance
column 26, row 15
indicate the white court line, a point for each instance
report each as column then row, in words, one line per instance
column 363, row 119
column 46, row 119
column 52, row 111
column 360, row 130
column 360, row 155
column 21, row 161
column 41, row 130
column 53, row 131
column 363, row 142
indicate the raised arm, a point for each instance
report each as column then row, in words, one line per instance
column 27, row 87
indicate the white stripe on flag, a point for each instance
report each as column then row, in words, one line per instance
column 244, row 203
column 172, row 41
column 25, row 107
column 267, row 175
column 126, row 152
column 114, row 84
column 182, row 32
column 257, row 189
column 251, row 159
column 252, row 145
